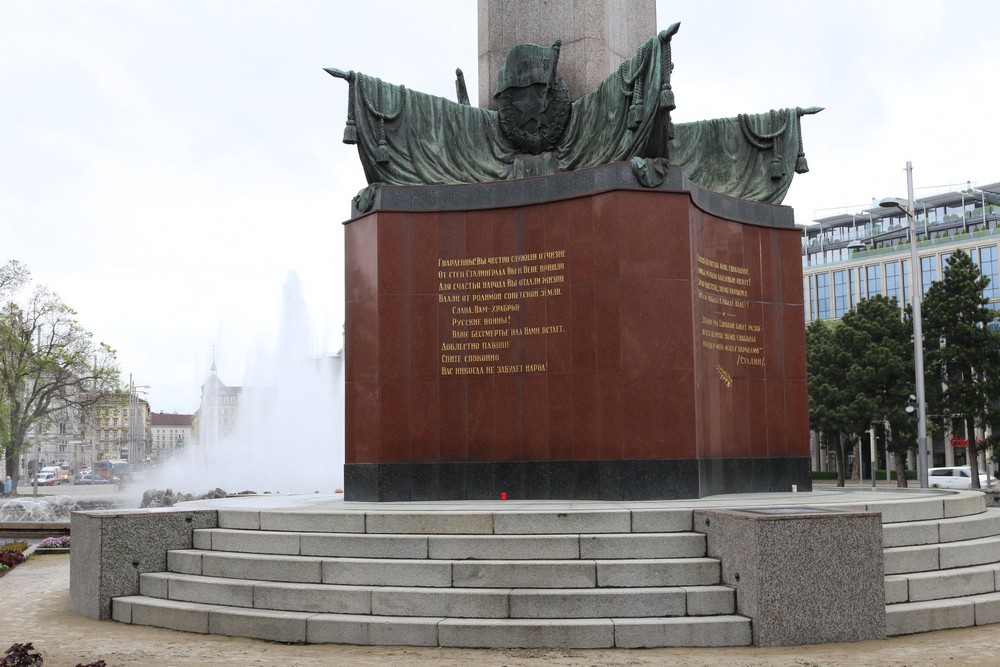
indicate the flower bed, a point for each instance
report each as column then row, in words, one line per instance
column 53, row 545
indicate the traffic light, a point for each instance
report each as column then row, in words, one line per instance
column 911, row 408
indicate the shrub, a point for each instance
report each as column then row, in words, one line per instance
column 10, row 559
column 910, row 474
column 13, row 546
column 879, row 475
column 3, row 568
column 21, row 655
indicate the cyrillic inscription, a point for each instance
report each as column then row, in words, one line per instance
column 484, row 298
column 725, row 290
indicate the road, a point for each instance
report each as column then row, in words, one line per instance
column 130, row 495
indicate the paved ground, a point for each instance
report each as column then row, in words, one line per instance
column 35, row 601
column 79, row 490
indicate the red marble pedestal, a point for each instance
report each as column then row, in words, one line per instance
column 605, row 342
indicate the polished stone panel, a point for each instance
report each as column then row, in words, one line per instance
column 540, row 339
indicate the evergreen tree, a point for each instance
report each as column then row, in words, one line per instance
column 880, row 344
column 860, row 373
column 825, row 363
column 963, row 351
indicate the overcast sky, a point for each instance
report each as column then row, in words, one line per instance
column 164, row 165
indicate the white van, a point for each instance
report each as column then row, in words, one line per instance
column 955, row 477
column 46, row 479
column 54, row 471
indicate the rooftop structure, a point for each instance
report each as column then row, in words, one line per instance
column 853, row 256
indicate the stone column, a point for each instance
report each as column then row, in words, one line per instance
column 596, row 36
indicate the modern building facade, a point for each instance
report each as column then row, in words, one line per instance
column 853, row 256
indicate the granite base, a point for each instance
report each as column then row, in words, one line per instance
column 643, row 479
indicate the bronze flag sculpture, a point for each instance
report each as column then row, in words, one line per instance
column 405, row 137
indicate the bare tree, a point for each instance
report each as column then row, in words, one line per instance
column 48, row 362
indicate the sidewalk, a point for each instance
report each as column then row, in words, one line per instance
column 35, row 598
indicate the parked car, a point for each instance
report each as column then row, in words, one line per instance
column 88, row 479
column 956, row 477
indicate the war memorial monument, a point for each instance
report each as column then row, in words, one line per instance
column 562, row 293
column 575, row 394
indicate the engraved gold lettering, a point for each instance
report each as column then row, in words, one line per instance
column 488, row 324
column 725, row 290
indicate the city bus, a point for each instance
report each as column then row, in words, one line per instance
column 115, row 470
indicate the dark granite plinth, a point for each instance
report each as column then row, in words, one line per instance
column 750, row 475
column 652, row 479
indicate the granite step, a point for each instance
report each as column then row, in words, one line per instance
column 942, row 556
column 716, row 631
column 306, row 627
column 920, row 506
column 577, row 573
column 525, row 519
column 926, row 616
column 452, row 547
column 706, row 600
column 955, row 529
column 942, row 584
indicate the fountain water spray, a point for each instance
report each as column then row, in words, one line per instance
column 48, row 508
column 289, row 437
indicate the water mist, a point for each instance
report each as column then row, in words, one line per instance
column 289, row 433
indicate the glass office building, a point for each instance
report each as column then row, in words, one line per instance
column 854, row 256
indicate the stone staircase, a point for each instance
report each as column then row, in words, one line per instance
column 471, row 579
column 525, row 576
column 943, row 572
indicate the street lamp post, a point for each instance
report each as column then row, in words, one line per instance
column 135, row 422
column 986, row 225
column 38, row 467
column 874, row 453
column 916, row 295
column 93, row 444
column 885, row 444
